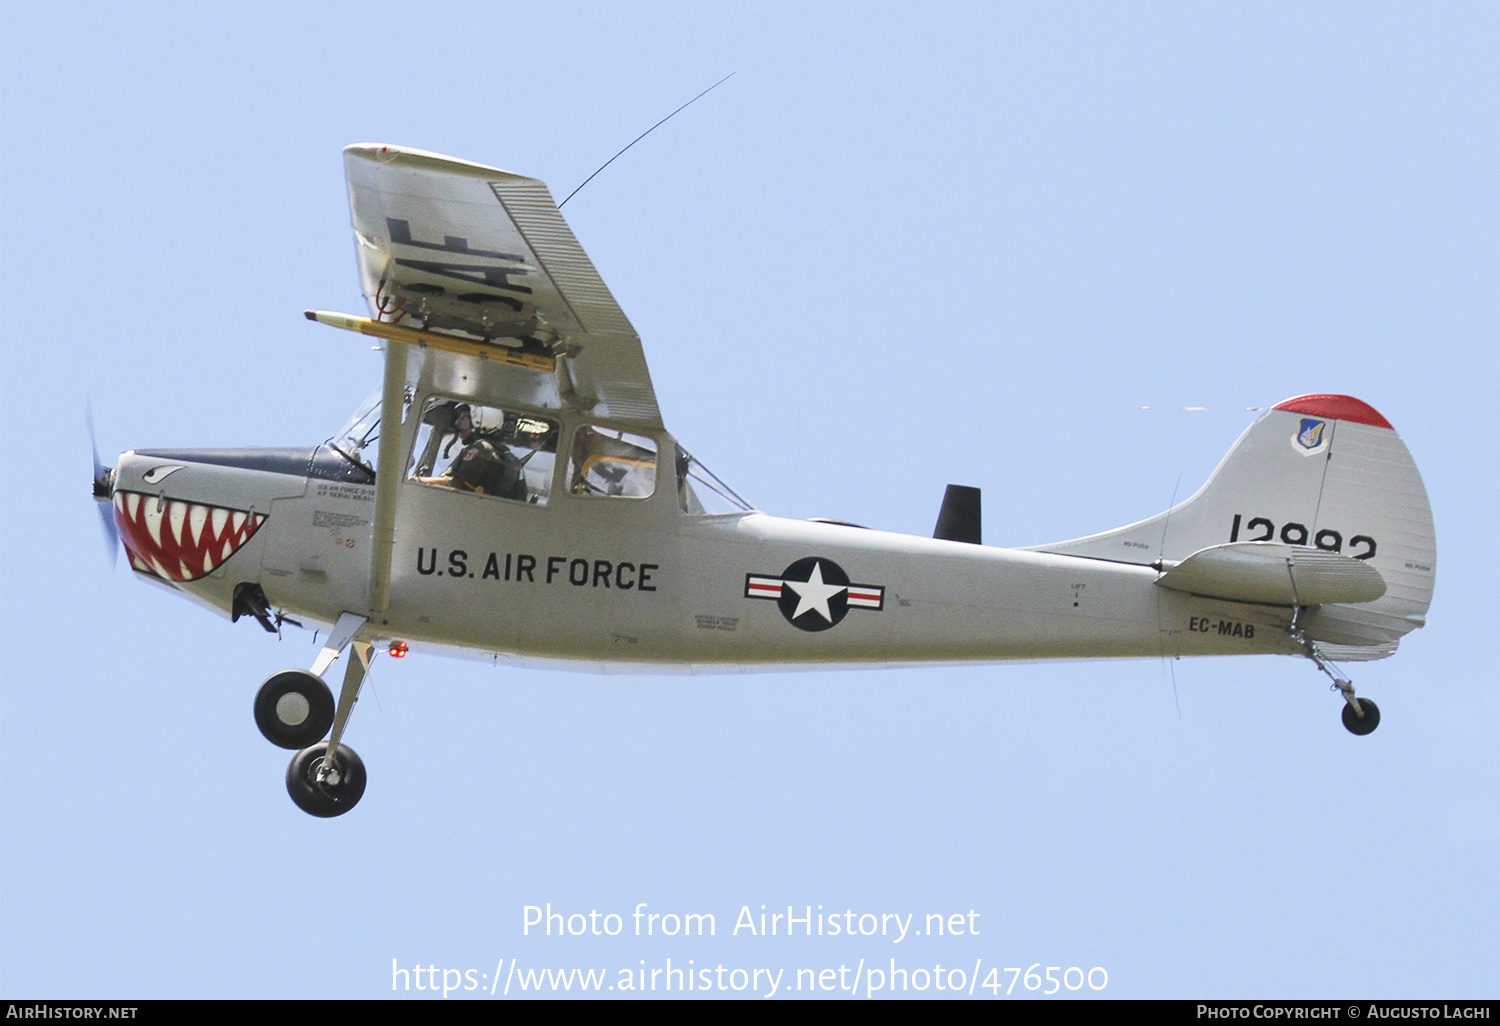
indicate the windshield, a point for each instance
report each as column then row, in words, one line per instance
column 699, row 489
column 358, row 440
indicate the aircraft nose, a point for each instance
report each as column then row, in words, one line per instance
column 104, row 487
column 104, row 482
column 176, row 532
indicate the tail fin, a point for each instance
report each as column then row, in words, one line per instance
column 1325, row 471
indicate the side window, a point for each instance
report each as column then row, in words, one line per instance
column 485, row 449
column 612, row 463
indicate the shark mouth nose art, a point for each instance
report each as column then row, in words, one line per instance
column 180, row 541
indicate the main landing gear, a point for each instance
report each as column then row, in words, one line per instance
column 295, row 709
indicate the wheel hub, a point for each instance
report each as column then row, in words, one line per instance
column 293, row 708
column 328, row 775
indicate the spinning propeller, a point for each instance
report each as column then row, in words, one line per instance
column 104, row 480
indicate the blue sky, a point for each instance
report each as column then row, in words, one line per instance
column 901, row 247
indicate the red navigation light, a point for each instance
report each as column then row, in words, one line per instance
column 398, row 649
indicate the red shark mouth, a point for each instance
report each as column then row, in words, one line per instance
column 180, row 541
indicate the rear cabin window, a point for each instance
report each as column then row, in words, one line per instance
column 612, row 464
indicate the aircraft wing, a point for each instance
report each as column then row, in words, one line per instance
column 477, row 252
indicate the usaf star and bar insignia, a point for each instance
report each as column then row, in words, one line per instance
column 814, row 593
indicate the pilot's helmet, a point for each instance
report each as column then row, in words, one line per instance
column 482, row 418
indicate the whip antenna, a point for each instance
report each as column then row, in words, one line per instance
column 647, row 132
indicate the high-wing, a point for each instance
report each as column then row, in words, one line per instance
column 461, row 248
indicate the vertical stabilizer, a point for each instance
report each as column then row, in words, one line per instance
column 1322, row 471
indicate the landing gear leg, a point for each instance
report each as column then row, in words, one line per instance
column 1360, row 716
column 354, row 678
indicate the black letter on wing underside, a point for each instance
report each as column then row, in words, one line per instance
column 401, row 234
column 474, row 274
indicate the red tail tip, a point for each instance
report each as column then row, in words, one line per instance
column 1335, row 407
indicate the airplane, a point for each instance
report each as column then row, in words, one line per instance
column 526, row 504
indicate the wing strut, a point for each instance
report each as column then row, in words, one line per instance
column 387, row 478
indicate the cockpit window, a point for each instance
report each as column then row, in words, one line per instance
column 612, row 463
column 699, row 489
column 485, row 449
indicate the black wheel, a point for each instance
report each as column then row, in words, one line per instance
column 1362, row 725
column 293, row 709
column 337, row 793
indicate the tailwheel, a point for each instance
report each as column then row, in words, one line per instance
column 294, row 708
column 1361, row 716
column 1359, row 724
column 325, row 787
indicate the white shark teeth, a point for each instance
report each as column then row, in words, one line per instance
column 153, row 521
column 199, row 537
column 176, row 517
column 197, row 516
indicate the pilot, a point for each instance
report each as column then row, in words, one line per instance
column 485, row 464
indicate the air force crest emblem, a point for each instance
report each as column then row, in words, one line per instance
column 1312, row 436
column 814, row 593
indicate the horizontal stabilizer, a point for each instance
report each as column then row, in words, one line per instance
column 1274, row 574
column 958, row 520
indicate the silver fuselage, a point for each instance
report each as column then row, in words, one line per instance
column 622, row 585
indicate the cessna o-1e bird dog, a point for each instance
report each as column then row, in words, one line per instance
column 512, row 491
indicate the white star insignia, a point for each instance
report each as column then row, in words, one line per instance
column 813, row 594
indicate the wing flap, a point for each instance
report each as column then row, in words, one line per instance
column 530, row 207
